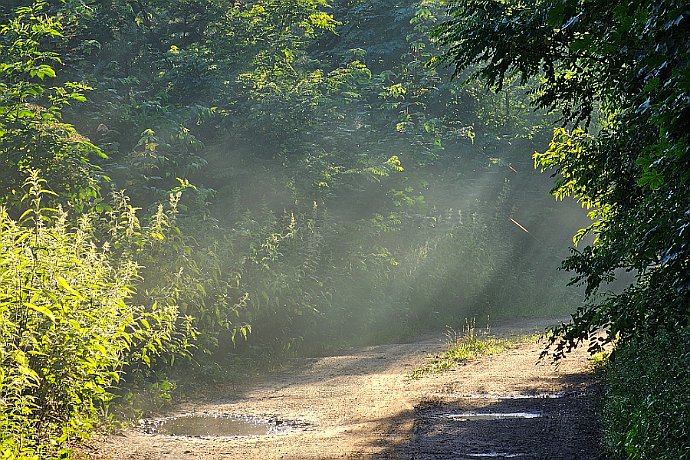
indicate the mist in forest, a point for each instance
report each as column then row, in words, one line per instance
column 300, row 188
column 387, row 254
column 195, row 190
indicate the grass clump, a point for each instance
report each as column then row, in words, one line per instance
column 647, row 407
column 464, row 347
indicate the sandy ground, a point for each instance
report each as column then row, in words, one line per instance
column 362, row 404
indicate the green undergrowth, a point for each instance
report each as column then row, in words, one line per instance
column 466, row 346
column 646, row 411
column 70, row 326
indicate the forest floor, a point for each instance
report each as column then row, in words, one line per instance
column 363, row 404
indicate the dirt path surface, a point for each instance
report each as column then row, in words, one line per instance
column 364, row 405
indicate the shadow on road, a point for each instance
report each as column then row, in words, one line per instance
column 533, row 426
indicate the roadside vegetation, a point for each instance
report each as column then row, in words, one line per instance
column 619, row 75
column 646, row 408
column 467, row 346
column 190, row 182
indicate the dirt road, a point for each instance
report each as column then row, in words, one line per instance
column 364, row 405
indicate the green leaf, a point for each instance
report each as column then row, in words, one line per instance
column 42, row 71
column 41, row 309
column 65, row 285
column 25, row 113
column 651, row 179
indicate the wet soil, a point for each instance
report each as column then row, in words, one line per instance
column 362, row 404
column 215, row 425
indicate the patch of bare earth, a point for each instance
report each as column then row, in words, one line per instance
column 364, row 405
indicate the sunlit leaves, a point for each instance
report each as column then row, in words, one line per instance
column 42, row 71
column 68, row 324
column 568, row 155
column 33, row 134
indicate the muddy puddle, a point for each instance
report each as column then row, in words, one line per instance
column 517, row 396
column 218, row 426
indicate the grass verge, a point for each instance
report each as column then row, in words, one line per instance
column 466, row 346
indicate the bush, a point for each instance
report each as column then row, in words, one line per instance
column 647, row 408
column 67, row 327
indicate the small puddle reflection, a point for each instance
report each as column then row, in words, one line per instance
column 502, row 397
column 494, row 455
column 210, row 425
column 200, row 425
column 468, row 416
column 533, row 396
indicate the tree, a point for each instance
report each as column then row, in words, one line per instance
column 619, row 72
column 32, row 133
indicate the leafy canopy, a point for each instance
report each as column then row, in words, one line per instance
column 32, row 133
column 619, row 72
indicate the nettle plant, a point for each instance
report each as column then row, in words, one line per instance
column 67, row 324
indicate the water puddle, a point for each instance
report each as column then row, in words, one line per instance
column 480, row 416
column 494, row 455
column 531, row 396
column 217, row 425
column 504, row 397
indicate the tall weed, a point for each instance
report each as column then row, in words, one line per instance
column 67, row 325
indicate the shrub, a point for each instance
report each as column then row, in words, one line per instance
column 647, row 408
column 67, row 326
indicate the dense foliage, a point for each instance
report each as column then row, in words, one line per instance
column 336, row 190
column 68, row 325
column 646, row 410
column 32, row 132
column 332, row 141
column 620, row 74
